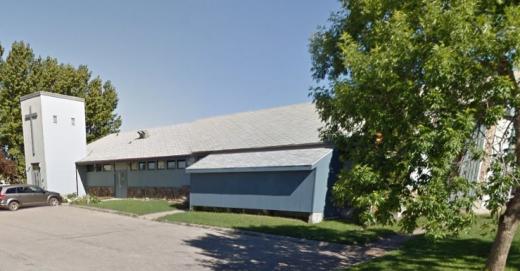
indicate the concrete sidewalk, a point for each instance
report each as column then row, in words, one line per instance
column 155, row 216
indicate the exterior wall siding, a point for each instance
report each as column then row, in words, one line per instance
column 279, row 191
column 105, row 178
column 158, row 178
column 165, row 183
column 470, row 168
column 321, row 183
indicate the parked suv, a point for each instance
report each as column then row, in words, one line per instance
column 13, row 197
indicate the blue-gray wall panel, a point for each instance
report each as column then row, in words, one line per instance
column 296, row 190
column 158, row 178
column 320, row 185
column 249, row 183
column 147, row 178
column 100, row 178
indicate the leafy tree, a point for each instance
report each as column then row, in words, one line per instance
column 402, row 87
column 7, row 168
column 101, row 119
column 15, row 81
column 22, row 73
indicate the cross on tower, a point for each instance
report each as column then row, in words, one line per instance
column 30, row 117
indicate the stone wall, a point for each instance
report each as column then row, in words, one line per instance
column 101, row 191
column 159, row 192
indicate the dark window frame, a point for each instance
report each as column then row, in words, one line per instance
column 163, row 163
column 108, row 165
column 168, row 164
column 179, row 164
column 149, row 163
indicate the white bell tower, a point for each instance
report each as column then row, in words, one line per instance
column 54, row 139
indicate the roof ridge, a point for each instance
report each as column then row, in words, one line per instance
column 290, row 125
column 204, row 119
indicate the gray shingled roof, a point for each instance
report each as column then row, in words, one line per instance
column 291, row 125
column 297, row 159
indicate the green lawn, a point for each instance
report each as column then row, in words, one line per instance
column 331, row 231
column 135, row 206
column 466, row 252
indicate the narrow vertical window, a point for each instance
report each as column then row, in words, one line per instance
column 171, row 164
column 73, row 121
column 54, row 119
column 181, row 164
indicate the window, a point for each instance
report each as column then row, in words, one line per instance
column 134, row 166
column 181, row 163
column 34, row 189
column 73, row 121
column 161, row 165
column 152, row 165
column 22, row 190
column 171, row 164
column 54, row 119
column 90, row 168
column 107, row 167
column 142, row 166
column 98, row 167
column 11, row 191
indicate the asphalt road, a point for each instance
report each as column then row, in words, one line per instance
column 69, row 238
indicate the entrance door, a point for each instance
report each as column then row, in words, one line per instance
column 121, row 184
column 36, row 175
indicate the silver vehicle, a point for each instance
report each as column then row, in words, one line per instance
column 13, row 197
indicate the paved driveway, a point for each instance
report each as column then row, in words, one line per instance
column 68, row 238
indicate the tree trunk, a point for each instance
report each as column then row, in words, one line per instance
column 509, row 220
column 507, row 227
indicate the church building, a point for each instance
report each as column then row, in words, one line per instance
column 271, row 159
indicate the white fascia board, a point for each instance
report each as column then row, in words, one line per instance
column 315, row 163
column 249, row 169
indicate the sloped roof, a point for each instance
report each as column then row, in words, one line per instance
column 297, row 159
column 291, row 125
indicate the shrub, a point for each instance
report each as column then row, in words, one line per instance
column 85, row 200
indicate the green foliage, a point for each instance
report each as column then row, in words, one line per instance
column 84, row 200
column 402, row 86
column 465, row 252
column 22, row 73
column 133, row 206
column 7, row 168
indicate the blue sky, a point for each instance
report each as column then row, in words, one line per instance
column 176, row 61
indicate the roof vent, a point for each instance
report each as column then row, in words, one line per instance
column 142, row 134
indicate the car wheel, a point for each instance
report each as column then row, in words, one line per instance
column 13, row 205
column 54, row 202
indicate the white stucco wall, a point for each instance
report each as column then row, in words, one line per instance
column 58, row 145
column 39, row 152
